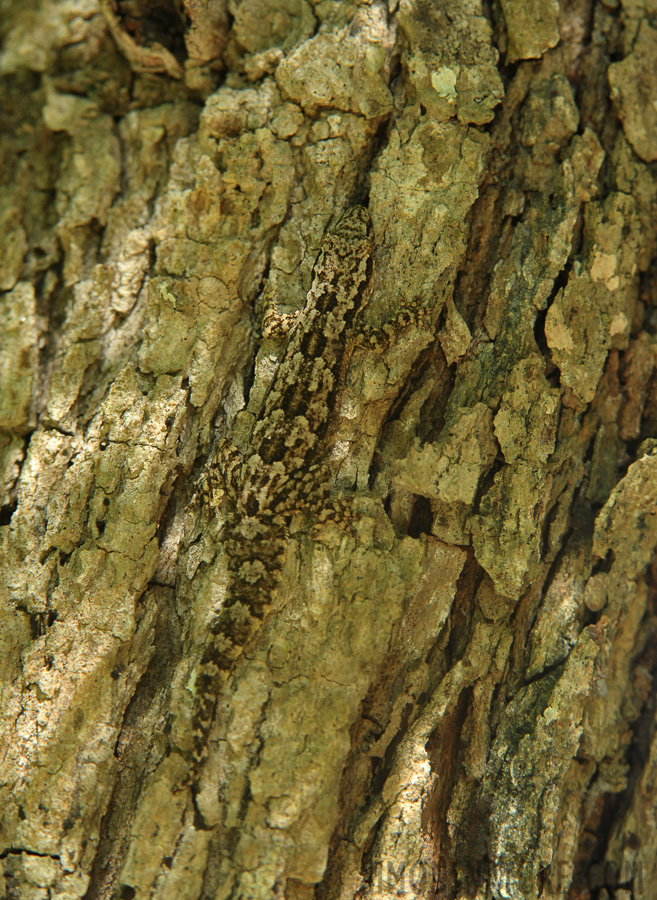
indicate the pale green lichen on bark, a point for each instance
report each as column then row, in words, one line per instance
column 19, row 358
column 633, row 81
column 441, row 677
column 348, row 77
column 531, row 28
column 602, row 286
column 81, row 548
column 451, row 60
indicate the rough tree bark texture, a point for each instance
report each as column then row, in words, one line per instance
column 453, row 694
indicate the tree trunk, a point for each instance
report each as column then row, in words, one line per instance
column 443, row 556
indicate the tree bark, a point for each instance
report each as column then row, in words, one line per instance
column 452, row 694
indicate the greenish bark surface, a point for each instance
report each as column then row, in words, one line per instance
column 454, row 694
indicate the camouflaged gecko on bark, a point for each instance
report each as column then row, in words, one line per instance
column 280, row 473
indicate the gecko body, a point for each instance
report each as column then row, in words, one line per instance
column 280, row 470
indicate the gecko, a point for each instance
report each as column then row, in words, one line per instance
column 280, row 472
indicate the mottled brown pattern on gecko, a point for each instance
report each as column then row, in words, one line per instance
column 281, row 473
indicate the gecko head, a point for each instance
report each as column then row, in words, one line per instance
column 343, row 269
column 348, row 246
column 355, row 225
